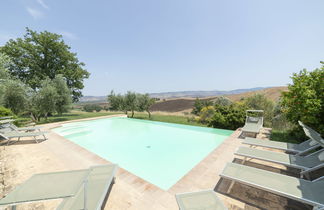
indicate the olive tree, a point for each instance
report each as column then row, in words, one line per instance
column 52, row 97
column 13, row 93
column 63, row 94
column 15, row 96
column 222, row 100
column 116, row 102
column 131, row 102
column 43, row 101
column 144, row 102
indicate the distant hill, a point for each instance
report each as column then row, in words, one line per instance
column 186, row 104
column 179, row 94
column 93, row 99
column 272, row 93
column 201, row 94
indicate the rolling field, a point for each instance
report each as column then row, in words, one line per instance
column 186, row 104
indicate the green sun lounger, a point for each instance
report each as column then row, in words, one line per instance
column 46, row 186
column 253, row 124
column 309, row 192
column 311, row 133
column 95, row 192
column 6, row 121
column 206, row 199
column 9, row 136
column 27, row 129
column 8, row 124
column 6, row 117
column 299, row 149
column 67, row 185
column 307, row 163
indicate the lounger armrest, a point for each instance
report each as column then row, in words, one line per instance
column 315, row 153
column 312, row 169
column 319, row 179
column 308, row 150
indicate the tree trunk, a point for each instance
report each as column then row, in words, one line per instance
column 132, row 113
column 34, row 118
column 149, row 113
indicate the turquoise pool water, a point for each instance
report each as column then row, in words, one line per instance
column 160, row 153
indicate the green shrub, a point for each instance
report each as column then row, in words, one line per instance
column 97, row 108
column 292, row 135
column 206, row 114
column 4, row 112
column 228, row 117
column 92, row 107
column 199, row 104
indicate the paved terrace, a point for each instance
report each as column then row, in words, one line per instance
column 25, row 158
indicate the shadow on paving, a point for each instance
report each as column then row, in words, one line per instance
column 21, row 142
column 259, row 199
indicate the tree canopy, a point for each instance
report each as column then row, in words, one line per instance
column 52, row 97
column 131, row 101
column 304, row 99
column 144, row 102
column 38, row 56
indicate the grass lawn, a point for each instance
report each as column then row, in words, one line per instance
column 167, row 118
column 73, row 115
column 276, row 135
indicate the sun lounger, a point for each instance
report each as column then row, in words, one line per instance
column 305, row 163
column 206, row 199
column 5, row 118
column 27, row 129
column 9, row 124
column 14, row 134
column 309, row 192
column 64, row 185
column 95, row 192
column 311, row 133
column 299, row 149
column 253, row 124
column 46, row 186
column 2, row 122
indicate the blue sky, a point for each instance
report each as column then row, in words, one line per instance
column 176, row 45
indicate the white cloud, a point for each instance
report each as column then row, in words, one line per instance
column 68, row 35
column 43, row 4
column 36, row 14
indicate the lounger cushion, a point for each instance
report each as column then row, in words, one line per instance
column 280, row 158
column 291, row 187
column 207, row 200
column 295, row 148
column 253, row 119
column 99, row 181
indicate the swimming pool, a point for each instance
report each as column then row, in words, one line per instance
column 160, row 153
